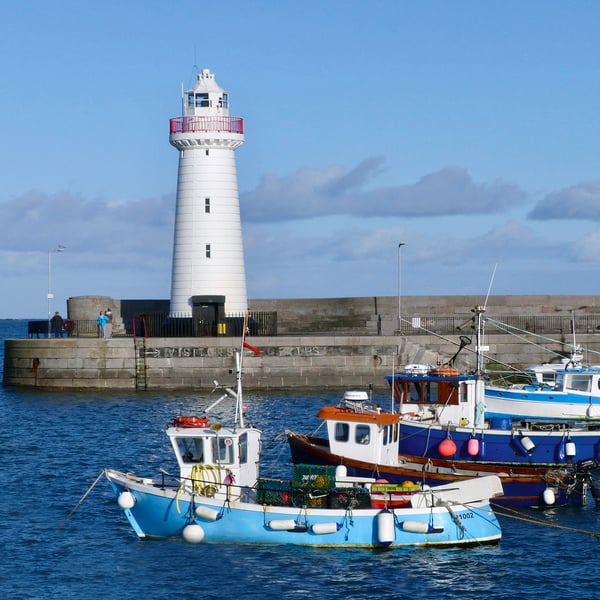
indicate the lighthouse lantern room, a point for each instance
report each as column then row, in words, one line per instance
column 208, row 254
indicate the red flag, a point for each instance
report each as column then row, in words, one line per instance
column 247, row 345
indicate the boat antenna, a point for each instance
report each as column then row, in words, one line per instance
column 490, row 287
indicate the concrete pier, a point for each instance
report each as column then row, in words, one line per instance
column 356, row 347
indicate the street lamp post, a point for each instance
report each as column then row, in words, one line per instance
column 59, row 248
column 400, row 286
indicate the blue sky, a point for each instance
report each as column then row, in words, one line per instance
column 468, row 131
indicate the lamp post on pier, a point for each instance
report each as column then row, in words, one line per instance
column 400, row 286
column 59, row 248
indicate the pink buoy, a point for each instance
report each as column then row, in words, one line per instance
column 473, row 447
column 447, row 448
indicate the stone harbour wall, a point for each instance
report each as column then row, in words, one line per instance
column 329, row 343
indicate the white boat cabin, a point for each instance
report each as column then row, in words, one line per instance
column 211, row 458
column 356, row 430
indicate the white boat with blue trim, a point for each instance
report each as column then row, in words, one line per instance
column 569, row 393
column 218, row 497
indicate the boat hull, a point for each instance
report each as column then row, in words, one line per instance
column 533, row 403
column 522, row 485
column 162, row 512
column 511, row 446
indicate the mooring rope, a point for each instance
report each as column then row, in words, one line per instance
column 519, row 516
column 84, row 496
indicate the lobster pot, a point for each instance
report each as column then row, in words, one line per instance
column 309, row 498
column 274, row 492
column 320, row 477
column 353, row 497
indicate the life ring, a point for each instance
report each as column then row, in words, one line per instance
column 186, row 422
column 68, row 325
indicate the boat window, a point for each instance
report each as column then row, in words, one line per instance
column 432, row 393
column 414, row 392
column 395, row 432
column 243, row 448
column 342, row 432
column 362, row 434
column 222, row 450
column 579, row 383
column 190, row 449
column 385, row 434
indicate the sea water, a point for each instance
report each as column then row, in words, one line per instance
column 53, row 446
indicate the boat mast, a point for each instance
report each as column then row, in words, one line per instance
column 239, row 404
column 479, row 310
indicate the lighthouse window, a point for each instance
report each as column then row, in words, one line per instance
column 190, row 99
column 225, row 100
column 201, row 99
column 206, row 205
column 207, row 250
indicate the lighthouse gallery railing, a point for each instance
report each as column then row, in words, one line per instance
column 197, row 124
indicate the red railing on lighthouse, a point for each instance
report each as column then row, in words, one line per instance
column 197, row 124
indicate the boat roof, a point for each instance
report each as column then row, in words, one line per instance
column 340, row 413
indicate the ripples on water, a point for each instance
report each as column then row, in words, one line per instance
column 53, row 445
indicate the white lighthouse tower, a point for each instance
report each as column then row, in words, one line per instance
column 208, row 255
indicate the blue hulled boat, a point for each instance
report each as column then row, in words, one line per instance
column 369, row 442
column 218, row 496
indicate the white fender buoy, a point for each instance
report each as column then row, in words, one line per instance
column 415, row 526
column 193, row 533
column 126, row 500
column 473, row 447
column 385, row 527
column 549, row 496
column 341, row 471
column 527, row 443
column 570, row 449
column 320, row 528
column 210, row 514
column 281, row 524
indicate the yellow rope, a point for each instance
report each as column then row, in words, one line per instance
column 200, row 484
column 519, row 516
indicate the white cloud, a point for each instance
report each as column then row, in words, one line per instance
column 309, row 193
column 581, row 201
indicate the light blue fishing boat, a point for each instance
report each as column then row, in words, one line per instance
column 217, row 496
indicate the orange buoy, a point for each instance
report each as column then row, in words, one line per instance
column 447, row 448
